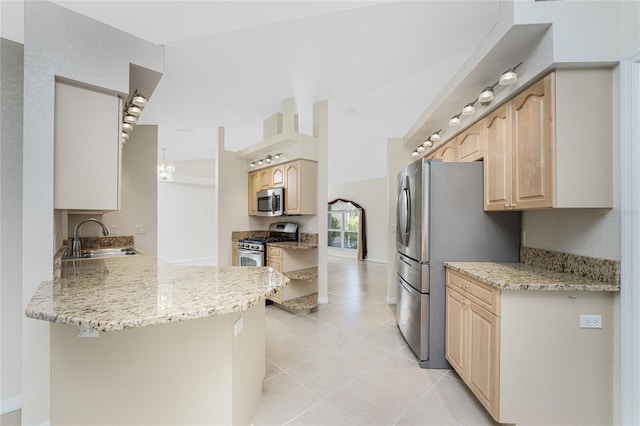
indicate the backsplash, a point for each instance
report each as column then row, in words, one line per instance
column 239, row 235
column 598, row 269
column 90, row 243
column 311, row 239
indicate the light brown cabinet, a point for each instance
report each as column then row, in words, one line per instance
column 283, row 260
column 469, row 144
column 496, row 131
column 234, row 254
column 551, row 146
column 473, row 337
column 254, row 187
column 299, row 179
column 496, row 340
column 277, row 176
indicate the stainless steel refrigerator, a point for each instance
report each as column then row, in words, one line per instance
column 440, row 218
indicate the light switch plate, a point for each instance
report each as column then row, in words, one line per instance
column 139, row 229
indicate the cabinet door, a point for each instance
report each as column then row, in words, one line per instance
column 292, row 188
column 87, row 149
column 276, row 264
column 234, row 254
column 254, row 186
column 496, row 138
column 448, row 152
column 533, row 144
column 455, row 334
column 484, row 357
column 470, row 144
column 265, row 178
column 277, row 176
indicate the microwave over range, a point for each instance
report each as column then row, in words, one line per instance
column 271, row 202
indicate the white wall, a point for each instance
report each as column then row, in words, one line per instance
column 11, row 92
column 138, row 198
column 187, row 216
column 371, row 194
column 58, row 43
column 232, row 181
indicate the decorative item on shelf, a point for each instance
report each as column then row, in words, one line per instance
column 165, row 169
column 268, row 159
column 484, row 98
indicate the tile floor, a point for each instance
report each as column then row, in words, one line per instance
column 347, row 363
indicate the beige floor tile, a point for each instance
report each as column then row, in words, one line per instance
column 324, row 373
column 385, row 337
column 462, row 404
column 435, row 413
column 402, row 376
column 347, row 363
column 271, row 370
column 290, row 352
column 321, row 414
column 282, row 400
column 367, row 402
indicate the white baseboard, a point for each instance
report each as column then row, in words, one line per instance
column 376, row 260
column 391, row 300
column 10, row 404
column 324, row 300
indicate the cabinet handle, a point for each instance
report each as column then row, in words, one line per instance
column 464, row 286
column 506, row 205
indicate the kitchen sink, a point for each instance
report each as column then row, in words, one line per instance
column 104, row 252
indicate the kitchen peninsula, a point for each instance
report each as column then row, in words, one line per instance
column 176, row 345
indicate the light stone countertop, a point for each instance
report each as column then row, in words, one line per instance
column 294, row 245
column 516, row 276
column 138, row 291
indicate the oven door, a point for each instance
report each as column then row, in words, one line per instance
column 250, row 257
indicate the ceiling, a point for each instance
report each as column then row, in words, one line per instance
column 231, row 63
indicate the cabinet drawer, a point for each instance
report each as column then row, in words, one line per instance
column 277, row 297
column 486, row 296
column 274, row 252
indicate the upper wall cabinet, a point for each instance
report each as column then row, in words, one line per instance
column 551, row 146
column 469, row 144
column 87, row 149
column 299, row 179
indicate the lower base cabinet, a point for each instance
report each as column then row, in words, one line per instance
column 524, row 356
column 284, row 260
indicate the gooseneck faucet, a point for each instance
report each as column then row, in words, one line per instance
column 77, row 249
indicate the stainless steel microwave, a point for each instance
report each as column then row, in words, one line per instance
column 271, row 202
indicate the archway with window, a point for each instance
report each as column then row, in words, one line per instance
column 346, row 227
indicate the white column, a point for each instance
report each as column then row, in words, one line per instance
column 630, row 241
column 321, row 131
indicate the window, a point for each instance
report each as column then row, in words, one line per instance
column 343, row 225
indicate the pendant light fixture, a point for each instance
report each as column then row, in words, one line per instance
column 127, row 127
column 134, row 110
column 131, row 119
column 165, row 169
column 420, row 149
column 415, row 154
column 435, row 137
column 427, row 143
column 455, row 120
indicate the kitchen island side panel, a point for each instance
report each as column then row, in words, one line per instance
column 186, row 372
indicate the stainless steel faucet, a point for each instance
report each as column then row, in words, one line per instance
column 76, row 251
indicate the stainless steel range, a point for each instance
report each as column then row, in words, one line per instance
column 252, row 251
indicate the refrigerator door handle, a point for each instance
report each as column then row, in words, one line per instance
column 406, row 287
column 405, row 262
column 404, row 211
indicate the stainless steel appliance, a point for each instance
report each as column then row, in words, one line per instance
column 271, row 202
column 440, row 218
column 252, row 251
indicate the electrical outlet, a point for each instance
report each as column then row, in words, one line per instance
column 237, row 327
column 139, row 229
column 523, row 237
column 590, row 321
column 87, row 332
column 113, row 229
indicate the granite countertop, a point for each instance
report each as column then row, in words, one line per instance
column 294, row 245
column 516, row 276
column 136, row 291
column 302, row 274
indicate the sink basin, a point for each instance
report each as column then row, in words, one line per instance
column 104, row 252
